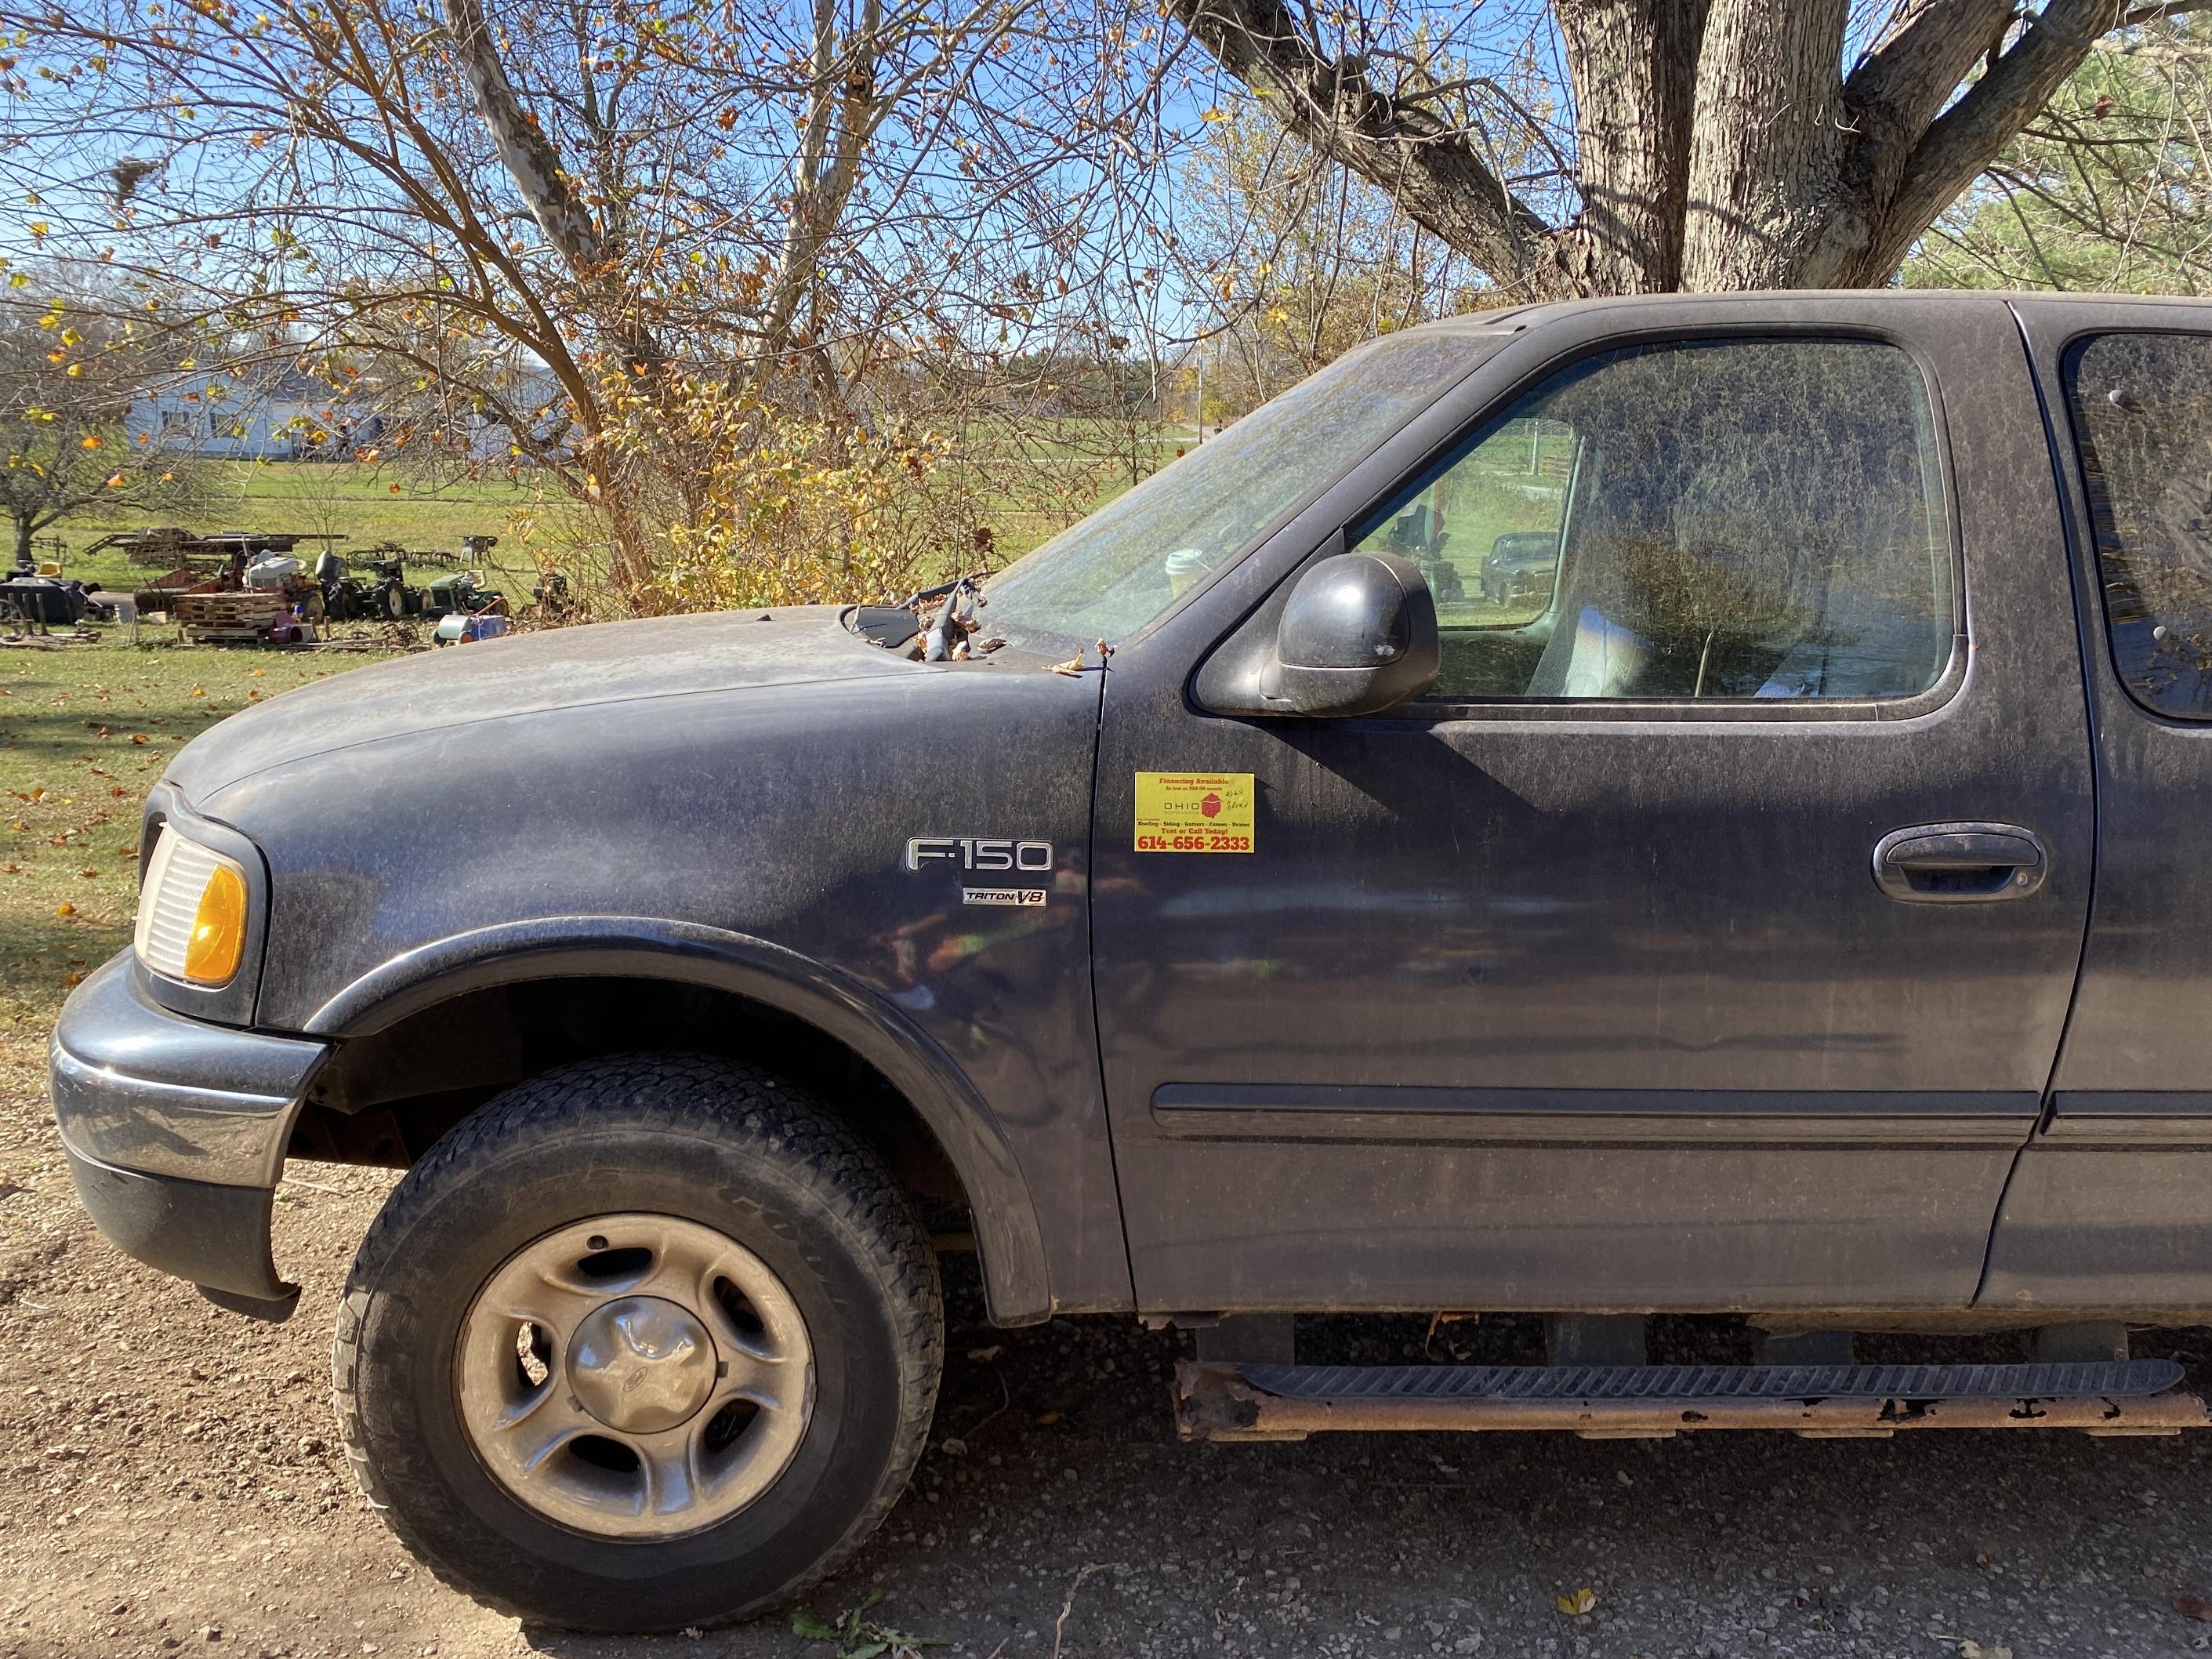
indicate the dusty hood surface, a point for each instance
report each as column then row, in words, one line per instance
column 532, row 673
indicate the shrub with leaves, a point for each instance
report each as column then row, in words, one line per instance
column 759, row 505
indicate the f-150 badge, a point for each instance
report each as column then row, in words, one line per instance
column 975, row 852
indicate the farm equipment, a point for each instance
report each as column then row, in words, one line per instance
column 464, row 628
column 168, row 546
column 463, row 592
column 366, row 586
column 549, row 596
column 1415, row 535
column 31, row 598
column 274, row 600
column 465, row 611
column 383, row 595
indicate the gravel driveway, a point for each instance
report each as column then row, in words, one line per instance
column 171, row 1487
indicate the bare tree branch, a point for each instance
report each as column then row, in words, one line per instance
column 1969, row 135
column 527, row 153
column 1432, row 167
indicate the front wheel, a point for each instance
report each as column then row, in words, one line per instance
column 645, row 1343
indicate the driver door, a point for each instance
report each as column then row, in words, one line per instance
column 1572, row 986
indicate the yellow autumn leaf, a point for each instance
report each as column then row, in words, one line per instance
column 92, row 440
column 39, row 227
column 1575, row 1603
column 1215, row 116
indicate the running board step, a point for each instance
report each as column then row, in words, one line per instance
column 1223, row 1401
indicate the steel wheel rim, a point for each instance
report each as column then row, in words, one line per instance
column 634, row 1375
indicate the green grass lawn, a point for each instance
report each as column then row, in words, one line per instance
column 85, row 730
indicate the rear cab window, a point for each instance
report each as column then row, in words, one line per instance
column 1752, row 519
column 2142, row 407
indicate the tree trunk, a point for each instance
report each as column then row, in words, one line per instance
column 1766, row 145
column 1634, row 64
column 23, row 533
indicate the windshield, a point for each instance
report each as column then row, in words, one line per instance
column 1109, row 574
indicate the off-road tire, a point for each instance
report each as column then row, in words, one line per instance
column 686, row 1135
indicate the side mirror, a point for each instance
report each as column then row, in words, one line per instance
column 1358, row 636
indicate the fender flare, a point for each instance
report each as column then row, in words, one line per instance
column 1017, row 1284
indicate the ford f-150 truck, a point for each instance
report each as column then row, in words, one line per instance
column 1794, row 906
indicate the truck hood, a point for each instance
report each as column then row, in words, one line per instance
column 532, row 673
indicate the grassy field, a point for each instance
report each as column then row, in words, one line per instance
column 361, row 505
column 84, row 733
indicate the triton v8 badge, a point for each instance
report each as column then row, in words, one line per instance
column 975, row 853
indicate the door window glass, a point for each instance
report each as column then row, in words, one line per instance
column 1741, row 518
column 2142, row 420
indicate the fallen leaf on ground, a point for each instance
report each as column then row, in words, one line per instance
column 1972, row 1649
column 2193, row 1607
column 1575, row 1603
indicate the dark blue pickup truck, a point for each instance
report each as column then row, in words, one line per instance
column 1785, row 897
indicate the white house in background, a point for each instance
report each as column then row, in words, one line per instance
column 272, row 416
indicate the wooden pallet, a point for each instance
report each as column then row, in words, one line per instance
column 234, row 618
column 246, row 610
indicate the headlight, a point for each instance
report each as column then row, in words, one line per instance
column 192, row 912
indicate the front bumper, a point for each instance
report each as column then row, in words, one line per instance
column 176, row 1132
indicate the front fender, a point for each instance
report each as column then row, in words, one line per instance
column 1007, row 1236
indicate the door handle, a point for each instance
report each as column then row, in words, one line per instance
column 1960, row 863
